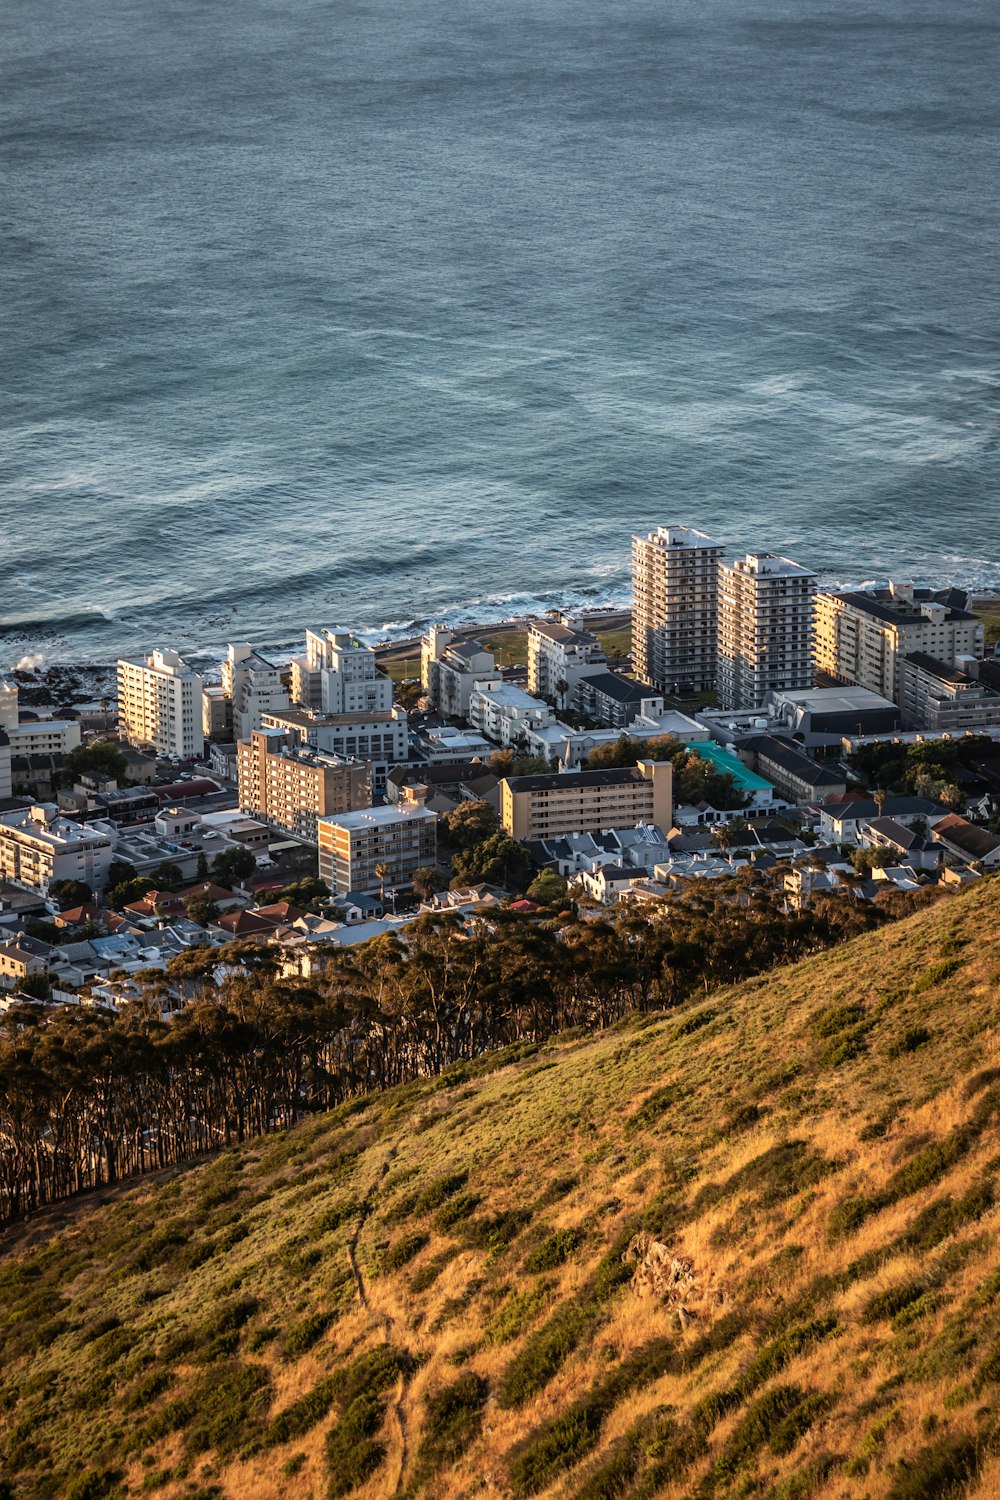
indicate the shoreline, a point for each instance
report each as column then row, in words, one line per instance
column 71, row 683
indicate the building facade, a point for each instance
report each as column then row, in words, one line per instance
column 933, row 695
column 540, row 807
column 379, row 848
column 380, row 739
column 339, row 675
column 675, row 608
column 160, row 704
column 615, row 700
column 560, row 656
column 863, row 637
column 450, row 668
column 290, row 786
column 765, row 629
column 505, row 713
column 253, row 686
column 39, row 846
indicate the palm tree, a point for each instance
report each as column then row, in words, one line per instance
column 879, row 796
column 381, row 871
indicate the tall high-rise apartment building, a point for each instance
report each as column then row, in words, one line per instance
column 159, row 704
column 765, row 629
column 864, row 636
column 674, row 608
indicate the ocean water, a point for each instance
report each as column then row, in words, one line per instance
column 371, row 312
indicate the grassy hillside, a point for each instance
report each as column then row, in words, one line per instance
column 433, row 1292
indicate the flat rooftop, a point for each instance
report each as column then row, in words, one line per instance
column 724, row 761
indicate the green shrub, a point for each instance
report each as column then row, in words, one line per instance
column 352, row 1450
column 874, row 1441
column 454, row 1418
column 657, row 1104
column 544, row 1353
column 805, row 1482
column 778, row 1173
column 769, row 1361
column 915, row 1310
column 403, row 1250
column 496, row 1231
column 455, row 1210
column 927, row 1166
column 834, row 1018
column 888, row 1303
column 941, row 1469
column 909, row 1041
column 147, row 1389
column 938, row 1221
column 516, row 1312
column 936, row 974
column 537, row 1460
column 789, row 1432
column 335, row 1217
column 299, row 1418
column 694, row 1023
column 218, row 1411
column 554, row 1251
column 426, row 1275
column 763, row 1420
column 557, row 1189
column 301, row 1336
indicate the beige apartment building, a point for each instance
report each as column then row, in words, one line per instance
column 674, row 608
column 765, row 641
column 863, row 637
column 378, row 849
column 290, row 785
column 538, row 807
column 160, row 704
column 946, row 699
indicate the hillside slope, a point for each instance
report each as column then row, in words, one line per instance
column 432, row 1292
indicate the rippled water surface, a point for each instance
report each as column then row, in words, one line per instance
column 373, row 312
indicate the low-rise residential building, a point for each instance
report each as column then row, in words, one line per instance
column 290, row 785
column 450, row 668
column 967, row 842
column 541, row 807
column 610, row 698
column 22, row 957
column 39, row 846
column 447, row 745
column 841, row 822
column 378, row 849
column 505, row 713
column 946, row 699
column 160, row 704
column 34, row 737
column 561, row 655
column 906, row 845
column 864, row 635
column 795, row 775
column 756, row 790
column 461, row 781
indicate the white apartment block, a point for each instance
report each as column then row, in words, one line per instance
column 253, row 686
column 38, row 846
column 674, row 608
column 863, row 636
column 560, row 655
column 765, row 636
column 353, row 846
column 6, row 785
column 505, row 713
column 160, row 704
column 33, row 736
column 450, row 668
column 339, row 675
column 290, row 785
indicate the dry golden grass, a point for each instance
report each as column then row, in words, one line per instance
column 761, row 1245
